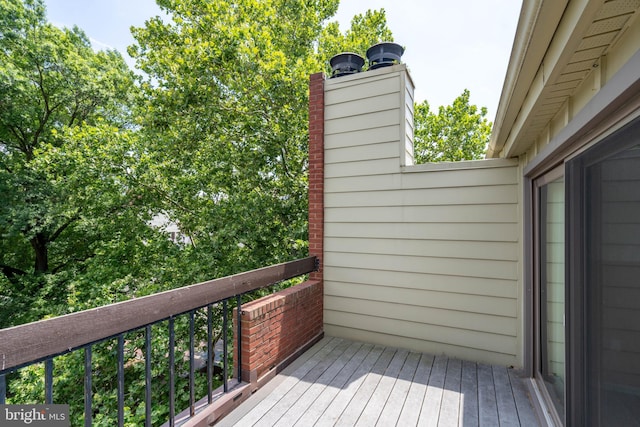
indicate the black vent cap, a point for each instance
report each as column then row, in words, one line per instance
column 384, row 54
column 346, row 63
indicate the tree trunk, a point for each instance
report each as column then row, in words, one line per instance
column 39, row 244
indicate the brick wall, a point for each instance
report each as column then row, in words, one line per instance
column 316, row 170
column 276, row 328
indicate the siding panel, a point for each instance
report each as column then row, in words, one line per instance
column 362, row 137
column 362, row 106
column 435, row 231
column 498, row 213
column 365, row 121
column 337, row 92
column 480, row 322
column 419, row 257
column 480, row 304
column 490, row 269
column 402, row 279
column 498, row 194
column 500, row 251
column 418, row 330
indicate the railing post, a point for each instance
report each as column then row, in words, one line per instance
column 147, row 376
column 211, row 355
column 192, row 371
column 225, row 346
column 88, row 393
column 172, row 385
column 239, row 343
column 3, row 390
column 48, row 381
column 120, row 380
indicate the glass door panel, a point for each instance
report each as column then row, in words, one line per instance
column 551, row 290
column 612, row 259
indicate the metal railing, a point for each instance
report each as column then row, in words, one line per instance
column 45, row 340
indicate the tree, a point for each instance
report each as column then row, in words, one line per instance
column 225, row 120
column 68, row 166
column 458, row 132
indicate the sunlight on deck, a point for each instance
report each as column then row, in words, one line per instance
column 341, row 382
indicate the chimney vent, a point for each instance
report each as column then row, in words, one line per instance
column 346, row 63
column 384, row 55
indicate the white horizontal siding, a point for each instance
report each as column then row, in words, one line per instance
column 489, row 269
column 418, row 257
column 496, row 194
column 437, row 231
column 489, row 213
column 407, row 280
column 483, row 250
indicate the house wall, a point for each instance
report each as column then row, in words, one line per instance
column 423, row 257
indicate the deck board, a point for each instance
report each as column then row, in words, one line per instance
column 507, row 413
column 412, row 405
column 359, row 401
column 526, row 414
column 450, row 407
column 487, row 405
column 430, row 411
column 346, row 393
column 312, row 392
column 322, row 402
column 378, row 400
column 469, row 391
column 397, row 397
column 341, row 382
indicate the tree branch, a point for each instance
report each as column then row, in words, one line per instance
column 11, row 272
column 63, row 227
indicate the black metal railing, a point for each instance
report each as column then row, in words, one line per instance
column 46, row 340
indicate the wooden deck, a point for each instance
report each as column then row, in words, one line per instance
column 346, row 383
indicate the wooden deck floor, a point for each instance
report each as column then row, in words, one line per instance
column 345, row 383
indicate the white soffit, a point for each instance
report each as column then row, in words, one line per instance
column 584, row 34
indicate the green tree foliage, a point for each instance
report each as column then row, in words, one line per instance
column 457, row 132
column 72, row 217
column 224, row 115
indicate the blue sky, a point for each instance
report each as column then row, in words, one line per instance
column 450, row 45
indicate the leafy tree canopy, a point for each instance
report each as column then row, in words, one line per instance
column 224, row 117
column 457, row 132
column 215, row 138
column 68, row 165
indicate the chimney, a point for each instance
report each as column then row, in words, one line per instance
column 368, row 118
column 360, row 136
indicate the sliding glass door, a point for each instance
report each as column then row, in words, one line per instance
column 608, row 187
column 602, row 294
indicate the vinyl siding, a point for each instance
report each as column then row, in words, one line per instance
column 424, row 257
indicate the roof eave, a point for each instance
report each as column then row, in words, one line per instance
column 536, row 27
